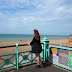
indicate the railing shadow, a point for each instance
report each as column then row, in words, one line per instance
column 23, row 66
column 46, row 64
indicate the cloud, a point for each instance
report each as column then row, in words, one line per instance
column 26, row 21
column 22, row 19
column 16, row 13
column 60, row 9
column 63, row 9
column 3, row 17
column 22, row 3
column 13, row 4
column 30, row 19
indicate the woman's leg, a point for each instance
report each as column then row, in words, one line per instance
column 38, row 58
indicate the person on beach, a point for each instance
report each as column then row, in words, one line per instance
column 36, row 46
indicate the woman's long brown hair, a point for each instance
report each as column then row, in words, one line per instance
column 36, row 33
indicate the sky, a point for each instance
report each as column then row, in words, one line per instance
column 51, row 17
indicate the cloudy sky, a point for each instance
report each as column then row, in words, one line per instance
column 52, row 17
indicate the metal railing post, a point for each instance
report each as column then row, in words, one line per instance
column 45, row 47
column 17, row 56
column 42, row 52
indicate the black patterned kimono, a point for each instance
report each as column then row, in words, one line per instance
column 36, row 46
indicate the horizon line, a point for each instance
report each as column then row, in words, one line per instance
column 40, row 34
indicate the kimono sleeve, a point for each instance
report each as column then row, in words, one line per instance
column 32, row 41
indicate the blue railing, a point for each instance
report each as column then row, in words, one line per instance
column 24, row 60
column 60, row 55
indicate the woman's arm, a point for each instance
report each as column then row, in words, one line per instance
column 32, row 42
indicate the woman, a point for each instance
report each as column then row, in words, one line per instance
column 36, row 46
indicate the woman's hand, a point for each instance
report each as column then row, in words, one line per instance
column 28, row 43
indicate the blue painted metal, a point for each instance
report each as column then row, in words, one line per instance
column 1, row 58
column 17, row 56
column 60, row 44
column 8, row 54
column 7, row 61
column 16, row 63
column 6, row 67
column 25, row 52
column 25, row 57
column 45, row 47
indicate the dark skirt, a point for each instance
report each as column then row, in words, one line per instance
column 36, row 48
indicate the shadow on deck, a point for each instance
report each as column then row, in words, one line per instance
column 47, row 67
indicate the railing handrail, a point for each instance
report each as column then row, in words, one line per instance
column 27, row 45
column 15, row 45
column 59, row 45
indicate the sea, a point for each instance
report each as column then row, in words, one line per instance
column 27, row 37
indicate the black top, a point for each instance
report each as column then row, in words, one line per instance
column 35, row 41
column 36, row 46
